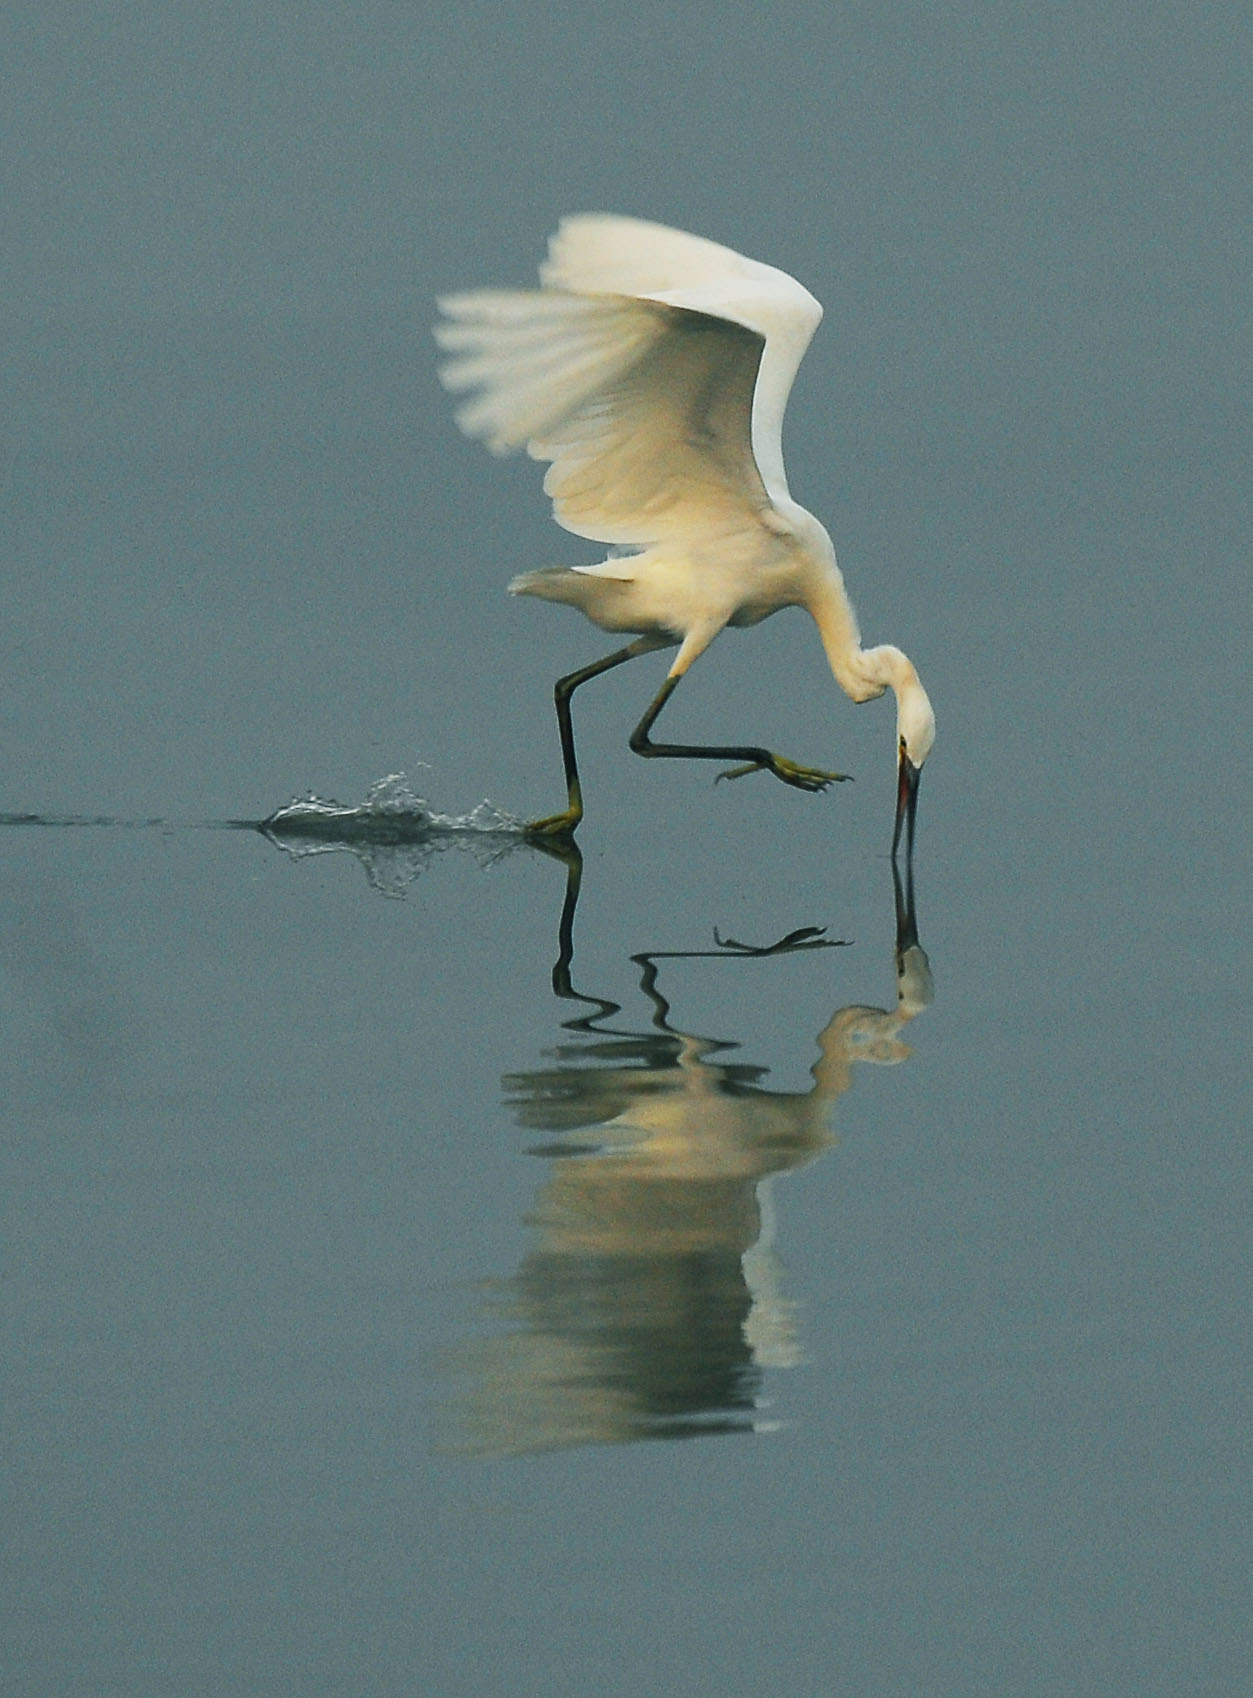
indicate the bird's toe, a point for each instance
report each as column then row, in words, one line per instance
column 810, row 778
column 554, row 826
column 741, row 771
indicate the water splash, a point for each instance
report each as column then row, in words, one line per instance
column 395, row 833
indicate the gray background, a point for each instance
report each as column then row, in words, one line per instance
column 270, row 1209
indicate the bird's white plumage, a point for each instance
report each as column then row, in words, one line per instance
column 652, row 370
column 640, row 408
column 599, row 253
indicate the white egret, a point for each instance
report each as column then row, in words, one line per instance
column 652, row 370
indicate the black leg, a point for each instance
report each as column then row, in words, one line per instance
column 756, row 760
column 564, row 823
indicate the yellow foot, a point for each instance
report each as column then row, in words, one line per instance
column 803, row 777
column 555, row 825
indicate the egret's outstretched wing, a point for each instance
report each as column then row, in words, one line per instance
column 643, row 408
column 533, row 358
column 652, row 371
column 601, row 253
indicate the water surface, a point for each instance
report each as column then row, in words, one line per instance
column 413, row 1285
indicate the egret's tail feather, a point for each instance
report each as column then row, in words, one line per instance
column 572, row 584
column 569, row 583
column 541, row 583
column 606, row 594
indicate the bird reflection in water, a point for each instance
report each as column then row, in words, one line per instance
column 651, row 1302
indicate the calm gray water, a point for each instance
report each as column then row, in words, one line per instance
column 363, row 1273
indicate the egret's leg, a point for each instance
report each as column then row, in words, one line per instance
column 756, row 760
column 564, row 823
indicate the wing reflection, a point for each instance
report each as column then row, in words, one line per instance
column 651, row 1302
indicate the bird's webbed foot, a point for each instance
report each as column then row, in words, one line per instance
column 800, row 777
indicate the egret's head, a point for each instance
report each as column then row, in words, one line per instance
column 915, row 734
column 915, row 721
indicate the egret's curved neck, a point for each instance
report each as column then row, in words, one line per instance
column 832, row 612
column 861, row 673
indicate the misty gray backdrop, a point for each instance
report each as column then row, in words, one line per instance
column 262, row 1158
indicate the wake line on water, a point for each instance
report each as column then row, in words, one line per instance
column 69, row 821
column 395, row 833
column 392, row 812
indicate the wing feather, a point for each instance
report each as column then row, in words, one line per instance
column 643, row 409
column 596, row 252
column 600, row 253
column 533, row 357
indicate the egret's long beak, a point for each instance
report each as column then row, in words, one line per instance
column 906, row 804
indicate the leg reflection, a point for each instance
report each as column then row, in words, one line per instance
column 651, row 1303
